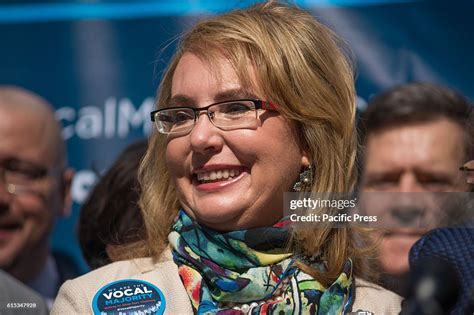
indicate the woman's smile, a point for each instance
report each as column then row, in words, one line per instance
column 217, row 176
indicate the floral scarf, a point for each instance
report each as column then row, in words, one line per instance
column 220, row 270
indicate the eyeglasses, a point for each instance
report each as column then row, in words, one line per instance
column 226, row 115
column 23, row 177
column 468, row 169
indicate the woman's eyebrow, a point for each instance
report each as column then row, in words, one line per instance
column 180, row 100
column 227, row 95
column 234, row 94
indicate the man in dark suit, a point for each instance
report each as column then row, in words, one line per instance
column 17, row 298
column 34, row 189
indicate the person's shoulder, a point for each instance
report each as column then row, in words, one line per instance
column 137, row 268
column 12, row 290
column 77, row 295
column 116, row 269
column 374, row 298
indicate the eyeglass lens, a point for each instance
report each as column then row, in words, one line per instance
column 21, row 177
column 226, row 115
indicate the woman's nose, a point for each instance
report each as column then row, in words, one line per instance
column 205, row 137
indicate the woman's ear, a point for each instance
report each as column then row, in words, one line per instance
column 305, row 161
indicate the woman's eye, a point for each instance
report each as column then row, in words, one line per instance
column 235, row 108
column 180, row 117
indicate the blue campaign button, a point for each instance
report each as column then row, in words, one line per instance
column 129, row 297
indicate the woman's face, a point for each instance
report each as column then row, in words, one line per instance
column 265, row 161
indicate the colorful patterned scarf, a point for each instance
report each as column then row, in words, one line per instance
column 219, row 270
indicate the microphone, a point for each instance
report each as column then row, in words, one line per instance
column 433, row 288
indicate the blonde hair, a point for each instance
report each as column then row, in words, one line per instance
column 299, row 65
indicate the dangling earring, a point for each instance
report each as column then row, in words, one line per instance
column 306, row 179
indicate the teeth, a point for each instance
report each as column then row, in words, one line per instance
column 217, row 175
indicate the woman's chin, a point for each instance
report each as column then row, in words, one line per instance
column 218, row 219
column 233, row 219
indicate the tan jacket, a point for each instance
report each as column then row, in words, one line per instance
column 76, row 296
